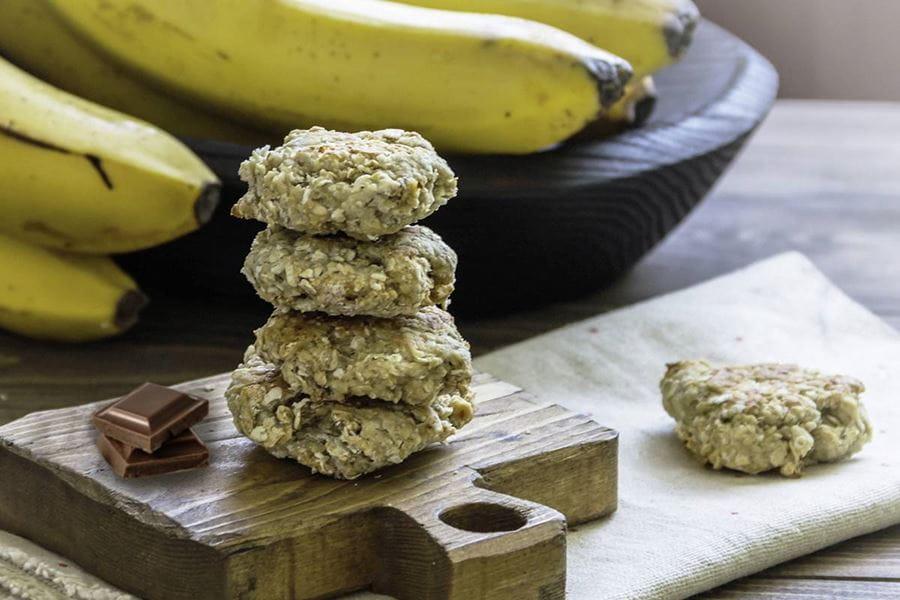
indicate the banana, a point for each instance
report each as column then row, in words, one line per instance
column 47, row 294
column 83, row 178
column 468, row 82
column 32, row 37
column 650, row 34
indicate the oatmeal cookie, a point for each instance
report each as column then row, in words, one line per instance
column 760, row 417
column 365, row 184
column 342, row 440
column 405, row 359
column 338, row 275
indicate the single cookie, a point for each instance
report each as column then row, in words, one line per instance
column 337, row 275
column 365, row 184
column 760, row 417
column 405, row 359
column 343, row 440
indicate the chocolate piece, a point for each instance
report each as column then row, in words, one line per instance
column 149, row 416
column 184, row 451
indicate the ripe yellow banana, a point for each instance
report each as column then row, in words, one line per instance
column 79, row 177
column 48, row 294
column 649, row 34
column 468, row 82
column 32, row 37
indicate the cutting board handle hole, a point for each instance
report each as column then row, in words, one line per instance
column 483, row 517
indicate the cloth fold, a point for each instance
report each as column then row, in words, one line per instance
column 681, row 528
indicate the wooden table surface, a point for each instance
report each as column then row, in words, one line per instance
column 819, row 177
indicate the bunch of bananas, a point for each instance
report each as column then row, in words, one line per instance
column 82, row 180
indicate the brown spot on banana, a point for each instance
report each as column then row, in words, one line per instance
column 95, row 161
column 8, row 131
column 177, row 30
column 139, row 12
column 43, row 228
column 98, row 166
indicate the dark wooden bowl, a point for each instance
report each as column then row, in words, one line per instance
column 548, row 226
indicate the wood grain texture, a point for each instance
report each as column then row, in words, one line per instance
column 791, row 189
column 542, row 227
column 481, row 517
column 780, row 589
column 875, row 556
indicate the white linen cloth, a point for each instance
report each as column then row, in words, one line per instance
column 681, row 528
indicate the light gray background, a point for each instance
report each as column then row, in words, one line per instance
column 841, row 49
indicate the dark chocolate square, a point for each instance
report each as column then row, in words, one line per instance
column 149, row 416
column 185, row 451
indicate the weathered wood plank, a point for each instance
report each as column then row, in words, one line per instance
column 788, row 589
column 873, row 556
column 481, row 516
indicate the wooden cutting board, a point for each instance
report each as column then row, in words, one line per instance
column 481, row 516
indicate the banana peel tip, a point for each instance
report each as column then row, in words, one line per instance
column 207, row 202
column 680, row 27
column 128, row 307
column 611, row 78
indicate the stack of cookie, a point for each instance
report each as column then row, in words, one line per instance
column 359, row 365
